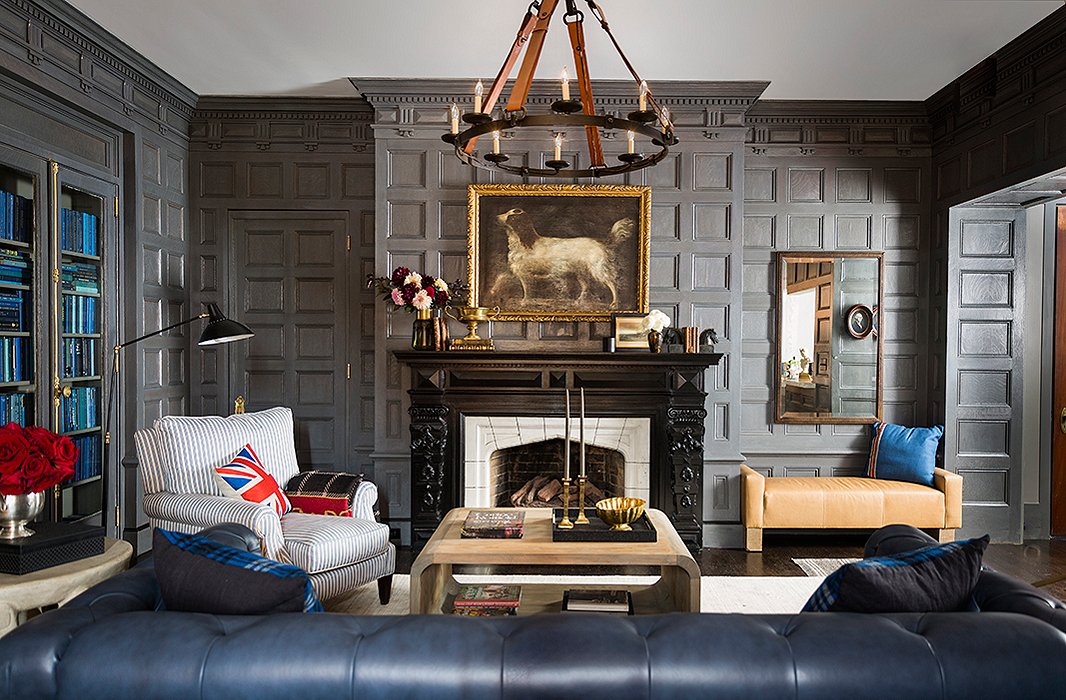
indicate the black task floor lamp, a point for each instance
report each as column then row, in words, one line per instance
column 218, row 330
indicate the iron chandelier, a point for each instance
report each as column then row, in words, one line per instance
column 650, row 120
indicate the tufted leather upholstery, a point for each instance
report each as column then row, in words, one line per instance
column 108, row 643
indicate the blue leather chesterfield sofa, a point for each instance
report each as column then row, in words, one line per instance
column 111, row 643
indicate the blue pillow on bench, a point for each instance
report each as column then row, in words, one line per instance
column 904, row 454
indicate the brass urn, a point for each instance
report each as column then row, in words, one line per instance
column 472, row 316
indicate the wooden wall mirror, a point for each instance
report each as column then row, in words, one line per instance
column 829, row 343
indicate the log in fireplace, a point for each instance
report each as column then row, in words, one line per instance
column 667, row 388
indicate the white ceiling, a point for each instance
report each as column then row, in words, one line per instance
column 808, row 49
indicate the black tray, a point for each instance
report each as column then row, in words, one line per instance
column 599, row 531
column 52, row 545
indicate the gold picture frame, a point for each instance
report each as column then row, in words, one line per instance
column 559, row 252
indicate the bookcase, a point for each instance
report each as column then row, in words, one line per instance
column 57, row 228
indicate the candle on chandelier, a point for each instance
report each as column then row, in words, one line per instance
column 643, row 96
column 665, row 118
column 496, row 142
column 479, row 90
column 629, row 137
column 558, row 146
column 582, row 431
column 566, row 84
column 566, row 439
column 454, row 113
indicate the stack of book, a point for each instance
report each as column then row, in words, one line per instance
column 12, row 310
column 80, row 408
column 78, row 232
column 14, row 267
column 88, row 463
column 79, row 357
column 79, row 314
column 618, row 602
column 489, row 600
column 81, row 277
column 14, row 360
column 494, row 524
column 13, row 409
column 16, row 217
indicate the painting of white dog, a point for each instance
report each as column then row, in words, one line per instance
column 555, row 252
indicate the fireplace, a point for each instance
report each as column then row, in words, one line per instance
column 447, row 388
column 503, row 453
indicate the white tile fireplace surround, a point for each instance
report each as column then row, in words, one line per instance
column 484, row 435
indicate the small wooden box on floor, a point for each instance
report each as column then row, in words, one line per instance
column 847, row 503
column 677, row 589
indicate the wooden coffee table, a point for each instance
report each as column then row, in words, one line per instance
column 676, row 590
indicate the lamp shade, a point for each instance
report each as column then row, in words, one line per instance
column 220, row 329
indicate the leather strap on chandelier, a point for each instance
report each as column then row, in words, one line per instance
column 653, row 123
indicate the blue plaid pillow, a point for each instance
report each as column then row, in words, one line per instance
column 937, row 578
column 197, row 574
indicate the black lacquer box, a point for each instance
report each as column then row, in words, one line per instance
column 51, row 545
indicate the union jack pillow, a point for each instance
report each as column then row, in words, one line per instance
column 245, row 477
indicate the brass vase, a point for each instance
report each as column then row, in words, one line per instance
column 16, row 511
column 422, row 330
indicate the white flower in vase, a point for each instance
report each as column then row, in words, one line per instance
column 655, row 321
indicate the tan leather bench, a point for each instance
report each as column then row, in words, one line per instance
column 847, row 502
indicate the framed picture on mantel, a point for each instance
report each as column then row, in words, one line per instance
column 559, row 252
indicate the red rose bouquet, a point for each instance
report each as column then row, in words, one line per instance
column 33, row 459
column 413, row 291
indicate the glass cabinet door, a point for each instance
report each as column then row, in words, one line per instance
column 22, row 180
column 83, row 216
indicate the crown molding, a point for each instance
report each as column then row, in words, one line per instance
column 812, row 127
column 282, row 123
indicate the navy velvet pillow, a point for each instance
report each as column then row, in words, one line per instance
column 904, row 454
column 197, row 574
column 937, row 578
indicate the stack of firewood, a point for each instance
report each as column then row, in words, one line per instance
column 546, row 491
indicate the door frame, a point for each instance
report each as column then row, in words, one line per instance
column 1056, row 222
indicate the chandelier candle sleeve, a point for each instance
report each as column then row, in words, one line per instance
column 630, row 138
column 643, row 99
column 566, row 84
column 566, row 439
column 479, row 91
column 454, row 114
column 495, row 142
column 558, row 156
column 581, row 429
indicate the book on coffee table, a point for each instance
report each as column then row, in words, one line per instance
column 488, row 596
column 494, row 524
column 598, row 600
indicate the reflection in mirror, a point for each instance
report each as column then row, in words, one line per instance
column 829, row 349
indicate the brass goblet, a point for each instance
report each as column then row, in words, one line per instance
column 472, row 316
column 620, row 512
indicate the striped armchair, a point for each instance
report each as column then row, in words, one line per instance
column 177, row 457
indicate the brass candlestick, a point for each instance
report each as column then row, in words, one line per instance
column 565, row 523
column 581, row 519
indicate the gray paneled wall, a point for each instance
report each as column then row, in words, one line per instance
column 696, row 246
column 834, row 176
column 1000, row 124
column 283, row 237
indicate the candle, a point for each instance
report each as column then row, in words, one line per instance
column 496, row 142
column 582, row 431
column 479, row 90
column 454, row 112
column 629, row 137
column 643, row 96
column 566, row 84
column 558, row 146
column 665, row 118
column 566, row 439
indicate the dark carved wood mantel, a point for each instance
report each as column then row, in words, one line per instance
column 666, row 388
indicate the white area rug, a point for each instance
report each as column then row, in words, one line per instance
column 821, row 567
column 718, row 594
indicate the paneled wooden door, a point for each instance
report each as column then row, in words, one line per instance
column 1058, row 440
column 291, row 272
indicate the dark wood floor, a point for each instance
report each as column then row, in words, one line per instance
column 1041, row 563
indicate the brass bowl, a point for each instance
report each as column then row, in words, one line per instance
column 620, row 512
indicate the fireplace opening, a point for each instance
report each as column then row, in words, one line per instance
column 530, row 475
